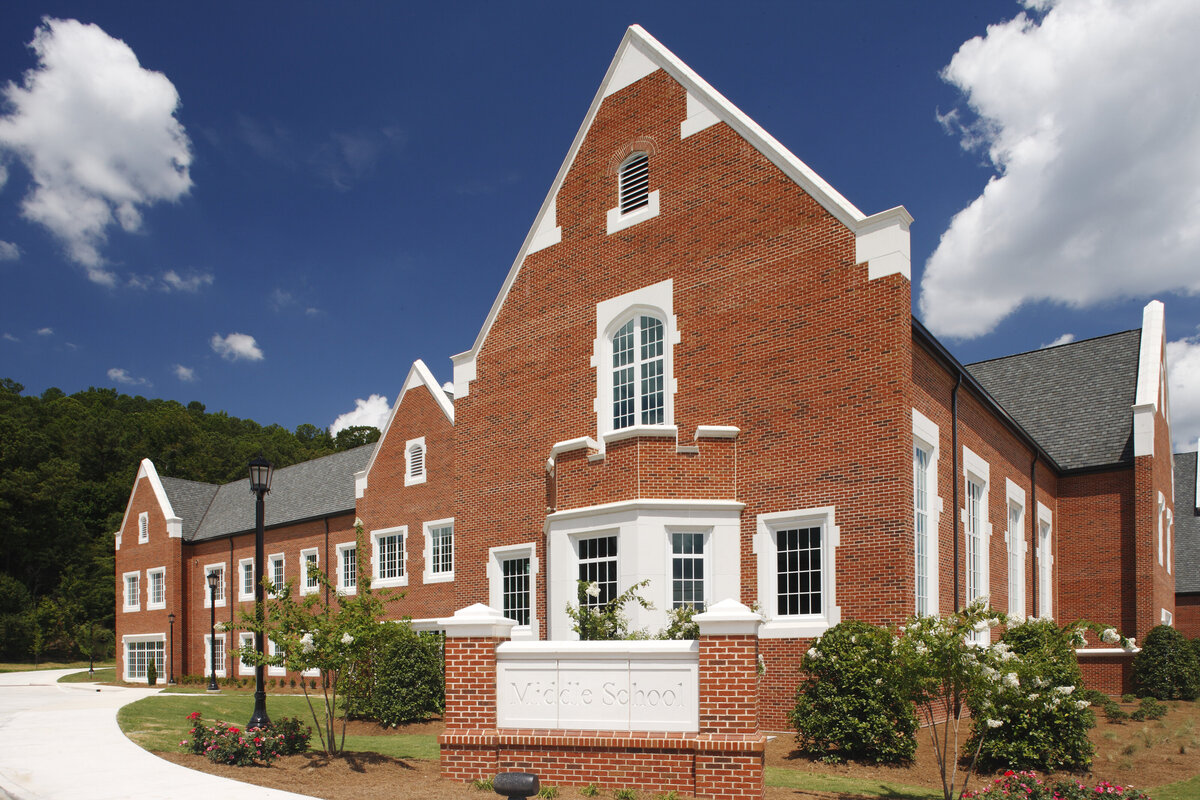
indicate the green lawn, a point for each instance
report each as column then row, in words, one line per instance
column 160, row 722
column 30, row 667
column 795, row 779
column 101, row 675
column 1182, row 790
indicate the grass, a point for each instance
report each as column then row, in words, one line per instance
column 1180, row 790
column 15, row 666
column 795, row 779
column 108, row 674
column 160, row 723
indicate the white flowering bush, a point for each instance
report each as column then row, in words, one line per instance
column 850, row 705
column 595, row 621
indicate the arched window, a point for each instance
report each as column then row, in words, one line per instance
column 634, row 182
column 638, row 373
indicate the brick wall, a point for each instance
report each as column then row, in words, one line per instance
column 1187, row 614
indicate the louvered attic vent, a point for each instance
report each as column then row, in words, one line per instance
column 635, row 182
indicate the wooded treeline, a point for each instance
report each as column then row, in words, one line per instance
column 67, row 465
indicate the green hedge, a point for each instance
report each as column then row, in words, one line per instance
column 401, row 681
column 1167, row 667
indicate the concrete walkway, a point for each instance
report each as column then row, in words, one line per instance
column 60, row 741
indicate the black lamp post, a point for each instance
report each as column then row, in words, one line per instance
column 212, row 632
column 171, row 655
column 260, row 483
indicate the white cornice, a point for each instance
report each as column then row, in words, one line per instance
column 644, row 504
column 146, row 470
column 418, row 375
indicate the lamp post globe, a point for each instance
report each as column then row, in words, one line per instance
column 261, row 472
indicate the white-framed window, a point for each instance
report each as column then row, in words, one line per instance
column 977, row 530
column 156, row 588
column 414, row 461
column 512, row 574
column 246, row 582
column 633, row 358
column 387, row 557
column 1168, row 618
column 139, row 651
column 797, row 587
column 219, row 595
column 220, row 654
column 926, row 513
column 275, row 571
column 245, row 640
column 439, row 551
column 1014, row 538
column 597, row 557
column 1045, row 562
column 1170, row 530
column 309, row 560
column 273, row 650
column 347, row 559
column 1162, row 524
column 635, row 202
column 688, row 569
column 133, row 591
column 143, row 527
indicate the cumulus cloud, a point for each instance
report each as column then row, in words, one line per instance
column 8, row 337
column 373, row 411
column 1066, row 338
column 236, row 347
column 1086, row 110
column 185, row 374
column 99, row 136
column 1183, row 376
column 193, row 282
column 8, row 250
column 45, row 331
column 118, row 375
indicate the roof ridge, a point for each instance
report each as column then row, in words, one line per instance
column 1055, row 347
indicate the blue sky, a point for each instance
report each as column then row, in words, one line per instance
column 344, row 186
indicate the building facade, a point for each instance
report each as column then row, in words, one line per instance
column 702, row 370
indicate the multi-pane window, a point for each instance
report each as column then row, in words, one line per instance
column 277, row 571
column 515, row 588
column 214, row 648
column 974, row 534
column 139, row 654
column 217, row 595
column 921, row 528
column 390, row 555
column 1045, row 571
column 349, row 567
column 1016, row 562
column 442, row 543
column 598, row 565
column 247, row 578
column 798, row 554
column 133, row 591
column 246, row 642
column 634, row 182
column 158, row 587
column 687, row 570
column 638, row 370
column 308, row 563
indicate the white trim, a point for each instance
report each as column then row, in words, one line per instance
column 161, row 604
column 128, row 639
column 221, row 584
column 580, row 443
column 666, row 595
column 615, row 221
column 242, row 564
column 477, row 621
column 634, row 431
column 137, row 604
column 418, row 375
column 699, row 117
column 977, row 470
column 882, row 243
column 717, row 432
column 402, row 531
column 272, row 650
column 495, row 576
column 223, row 667
column 143, row 527
column 648, row 504
column 1015, row 548
column 272, row 560
column 1149, row 378
column 429, row 576
column 245, row 639
column 1160, row 524
column 638, row 47
column 146, row 470
column 927, row 436
column 409, row 447
column 789, row 626
column 341, row 549
column 1196, row 501
column 1045, row 608
column 549, row 232
column 1167, row 618
column 1106, row 651
column 305, row 588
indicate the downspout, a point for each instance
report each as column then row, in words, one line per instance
column 954, row 466
column 1033, row 526
column 326, row 562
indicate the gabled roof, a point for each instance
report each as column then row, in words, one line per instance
column 191, row 500
column 1075, row 399
column 1187, row 525
column 146, row 470
column 882, row 239
column 418, row 375
column 310, row 490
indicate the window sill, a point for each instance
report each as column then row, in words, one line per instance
column 634, row 431
column 156, row 606
column 616, row 221
column 388, row 583
column 440, row 577
column 346, row 591
column 408, row 481
column 131, row 608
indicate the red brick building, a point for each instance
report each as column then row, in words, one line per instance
column 702, row 369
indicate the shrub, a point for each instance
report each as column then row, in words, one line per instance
column 1114, row 713
column 293, row 735
column 400, row 680
column 1167, row 666
column 1045, row 725
column 850, row 704
column 1028, row 786
column 591, row 790
column 151, row 672
column 680, row 624
column 222, row 743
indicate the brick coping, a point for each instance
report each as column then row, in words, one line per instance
column 642, row 740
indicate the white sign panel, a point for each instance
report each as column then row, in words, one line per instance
column 627, row 686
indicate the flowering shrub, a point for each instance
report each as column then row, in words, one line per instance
column 850, row 705
column 1028, row 786
column 222, row 743
column 1166, row 667
column 594, row 621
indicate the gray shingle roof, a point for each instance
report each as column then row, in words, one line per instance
column 1187, row 525
column 308, row 490
column 1074, row 399
column 189, row 499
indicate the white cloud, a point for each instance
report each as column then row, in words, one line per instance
column 236, row 346
column 8, row 250
column 372, row 411
column 185, row 374
column 8, row 337
column 45, row 331
column 1088, row 115
column 118, row 375
column 99, row 136
column 1183, row 374
column 174, row 282
column 1066, row 338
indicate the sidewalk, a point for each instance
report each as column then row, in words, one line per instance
column 60, row 741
